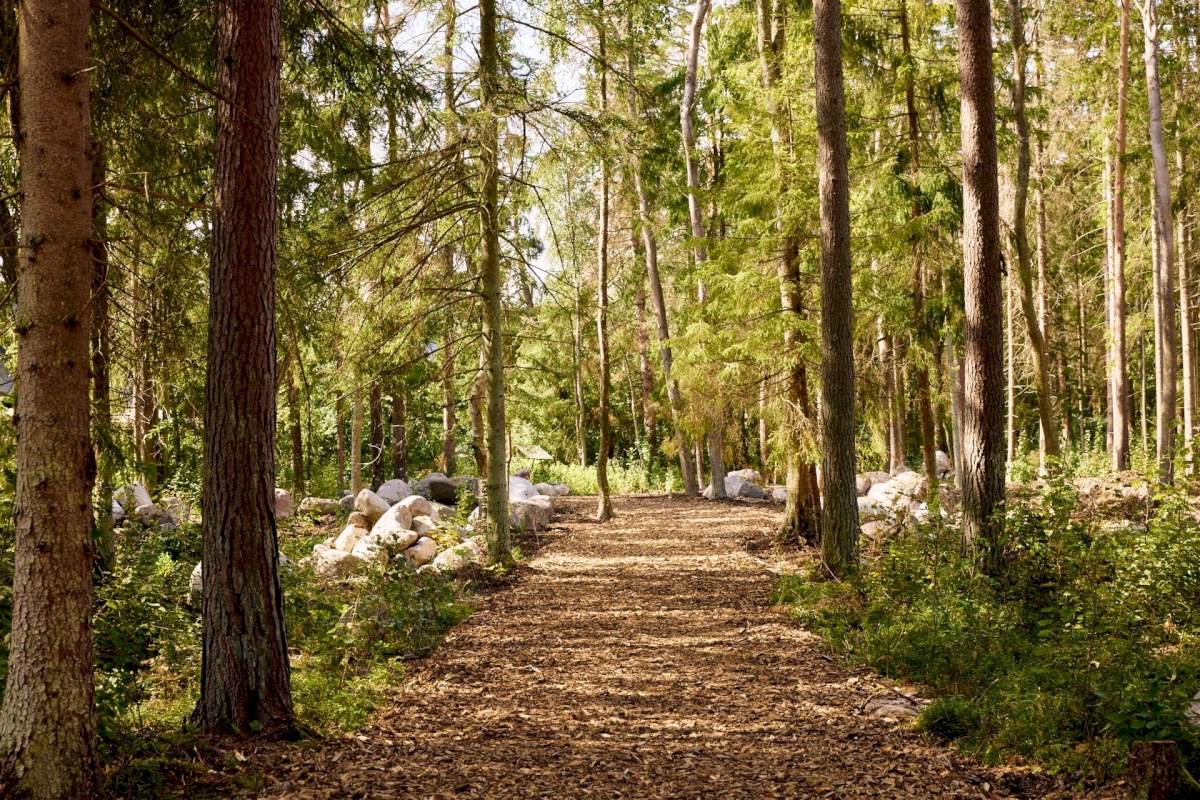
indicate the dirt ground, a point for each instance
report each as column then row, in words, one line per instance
column 638, row 659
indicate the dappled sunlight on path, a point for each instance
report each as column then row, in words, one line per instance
column 636, row 659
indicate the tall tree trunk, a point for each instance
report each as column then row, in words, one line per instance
column 1119, row 369
column 1010, row 365
column 577, row 375
column 1165, row 369
column 920, row 324
column 604, row 509
column 377, row 466
column 48, row 722
column 478, row 426
column 1033, row 326
column 339, row 413
column 687, row 111
column 954, row 378
column 449, row 398
column 499, row 537
column 839, row 514
column 983, row 423
column 244, row 683
column 101, row 334
column 899, row 409
column 801, row 515
column 400, row 434
column 356, row 438
column 763, row 444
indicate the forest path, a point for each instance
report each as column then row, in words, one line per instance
column 636, row 659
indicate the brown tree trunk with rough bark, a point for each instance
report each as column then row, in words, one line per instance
column 48, row 721
column 356, row 439
column 297, row 433
column 983, row 423
column 649, row 419
column 499, row 537
column 245, row 677
column 1033, row 326
column 339, row 415
column 1186, row 346
column 839, row 513
column 1166, row 367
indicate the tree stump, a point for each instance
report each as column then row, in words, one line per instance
column 1155, row 771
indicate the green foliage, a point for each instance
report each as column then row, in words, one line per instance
column 633, row 476
column 1084, row 642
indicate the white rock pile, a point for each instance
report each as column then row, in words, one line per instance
column 746, row 483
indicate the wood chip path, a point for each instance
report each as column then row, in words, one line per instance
column 637, row 659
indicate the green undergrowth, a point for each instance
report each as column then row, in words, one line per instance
column 1085, row 641
column 148, row 652
column 629, row 475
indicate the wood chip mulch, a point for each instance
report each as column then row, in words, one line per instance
column 638, row 659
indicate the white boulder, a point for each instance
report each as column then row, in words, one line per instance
column 547, row 489
column 871, row 509
column 118, row 513
column 318, row 506
column 284, row 504
column 862, row 485
column 563, row 489
column 531, row 515
column 423, row 525
column 942, row 464
column 749, row 475
column 196, row 585
column 371, row 505
column 350, row 536
column 397, row 518
column 421, row 552
column 779, row 494
column 460, row 556
column 520, row 489
column 417, row 506
column 330, row 563
column 374, row 546
column 394, row 491
column 133, row 495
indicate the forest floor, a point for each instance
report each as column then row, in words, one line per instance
column 637, row 659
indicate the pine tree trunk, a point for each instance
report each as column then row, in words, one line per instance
column 649, row 421
column 983, row 423
column 48, row 721
column 1119, row 371
column 478, row 426
column 499, row 538
column 244, row 683
column 399, row 436
column 604, row 510
column 1166, row 369
column 577, row 376
column 839, row 514
column 1033, row 326
column 763, row 440
column 1010, row 367
column 293, row 391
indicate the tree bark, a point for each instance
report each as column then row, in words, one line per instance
column 244, row 684
column 1165, row 368
column 1119, row 370
column 604, row 510
column 399, row 435
column 1033, row 325
column 983, row 423
column 649, row 420
column 48, row 721
column 1186, row 344
column 499, row 538
column 339, row 414
column 297, row 433
column 687, row 110
column 839, row 514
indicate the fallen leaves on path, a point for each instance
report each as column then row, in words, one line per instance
column 638, row 659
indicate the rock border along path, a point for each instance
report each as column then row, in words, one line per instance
column 637, row 659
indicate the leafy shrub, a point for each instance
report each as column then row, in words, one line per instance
column 631, row 475
column 1084, row 642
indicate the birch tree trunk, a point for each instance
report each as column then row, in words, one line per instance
column 1166, row 369
column 48, row 722
column 1033, row 325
